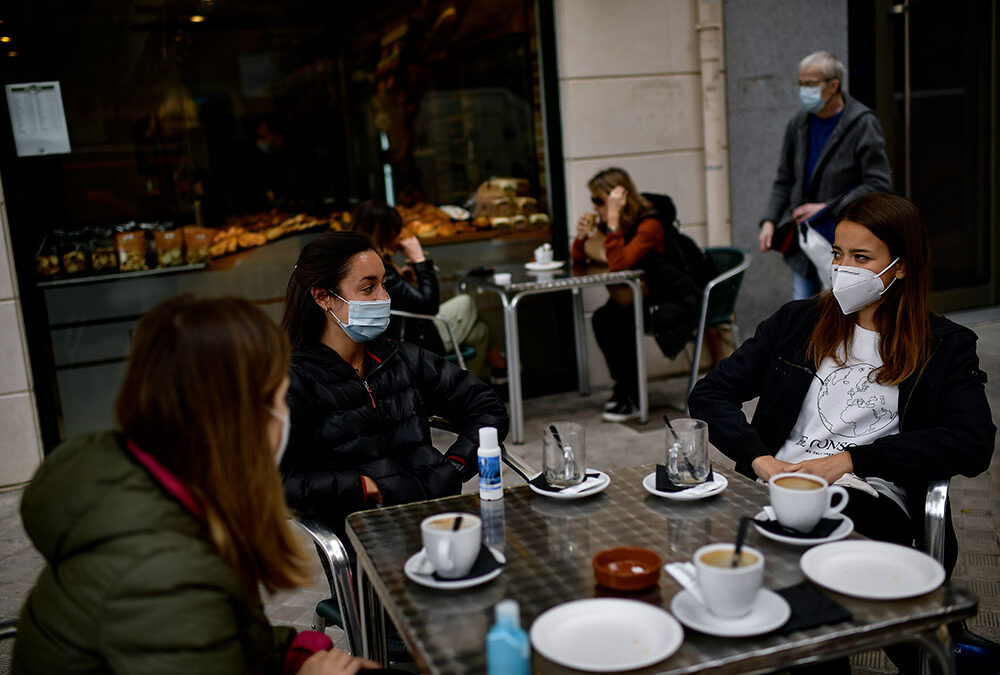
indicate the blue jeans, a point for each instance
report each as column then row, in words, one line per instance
column 804, row 287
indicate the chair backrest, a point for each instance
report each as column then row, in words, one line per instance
column 452, row 349
column 722, row 291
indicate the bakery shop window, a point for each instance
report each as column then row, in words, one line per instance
column 199, row 129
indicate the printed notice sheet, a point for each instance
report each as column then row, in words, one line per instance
column 36, row 114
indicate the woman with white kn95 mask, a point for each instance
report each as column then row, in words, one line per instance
column 860, row 385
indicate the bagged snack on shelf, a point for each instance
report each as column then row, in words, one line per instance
column 47, row 258
column 149, row 229
column 169, row 243
column 103, row 259
column 74, row 250
column 130, row 243
column 197, row 241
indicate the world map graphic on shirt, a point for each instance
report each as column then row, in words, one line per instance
column 851, row 405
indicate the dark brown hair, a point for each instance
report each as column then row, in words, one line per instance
column 607, row 180
column 902, row 319
column 379, row 221
column 201, row 379
column 323, row 263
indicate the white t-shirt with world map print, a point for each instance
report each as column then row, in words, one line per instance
column 844, row 408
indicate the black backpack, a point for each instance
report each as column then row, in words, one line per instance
column 675, row 278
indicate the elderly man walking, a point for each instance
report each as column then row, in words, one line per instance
column 833, row 149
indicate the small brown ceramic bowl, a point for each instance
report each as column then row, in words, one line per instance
column 627, row 568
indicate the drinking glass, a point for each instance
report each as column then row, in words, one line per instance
column 564, row 454
column 687, row 452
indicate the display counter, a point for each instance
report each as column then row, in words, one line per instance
column 92, row 319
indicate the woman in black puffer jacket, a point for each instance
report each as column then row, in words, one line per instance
column 359, row 402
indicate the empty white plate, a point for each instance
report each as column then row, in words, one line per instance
column 604, row 635
column 770, row 611
column 874, row 570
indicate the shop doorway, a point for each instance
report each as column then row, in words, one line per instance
column 929, row 68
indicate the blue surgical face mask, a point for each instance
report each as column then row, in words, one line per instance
column 366, row 319
column 811, row 99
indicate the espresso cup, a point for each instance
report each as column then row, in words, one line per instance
column 450, row 551
column 543, row 253
column 799, row 500
column 729, row 592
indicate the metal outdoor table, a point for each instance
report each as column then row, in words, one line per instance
column 549, row 545
column 566, row 278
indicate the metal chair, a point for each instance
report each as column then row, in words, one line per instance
column 457, row 354
column 8, row 629
column 718, row 300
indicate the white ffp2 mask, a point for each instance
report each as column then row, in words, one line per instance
column 856, row 287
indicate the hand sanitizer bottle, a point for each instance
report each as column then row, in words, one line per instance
column 490, row 484
column 507, row 649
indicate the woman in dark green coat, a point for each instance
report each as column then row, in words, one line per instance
column 157, row 538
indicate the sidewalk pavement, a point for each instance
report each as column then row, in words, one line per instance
column 974, row 501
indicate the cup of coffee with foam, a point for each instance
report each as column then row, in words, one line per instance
column 799, row 500
column 729, row 592
column 451, row 542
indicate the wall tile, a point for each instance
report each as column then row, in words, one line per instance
column 19, row 445
column 630, row 115
column 13, row 368
column 680, row 175
column 626, row 37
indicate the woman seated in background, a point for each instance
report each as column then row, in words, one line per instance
column 415, row 289
column 360, row 403
column 636, row 238
column 157, row 538
column 860, row 385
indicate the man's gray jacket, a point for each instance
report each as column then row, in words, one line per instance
column 853, row 159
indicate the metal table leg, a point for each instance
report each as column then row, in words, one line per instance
column 936, row 645
column 373, row 637
column 580, row 336
column 640, row 353
column 513, row 368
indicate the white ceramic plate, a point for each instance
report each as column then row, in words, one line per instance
column 717, row 485
column 874, row 570
column 770, row 611
column 543, row 266
column 603, row 481
column 845, row 528
column 415, row 563
column 604, row 635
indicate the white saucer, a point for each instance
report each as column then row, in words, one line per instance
column 416, row 561
column 535, row 266
column 770, row 611
column 606, row 635
column 603, row 481
column 717, row 485
column 845, row 528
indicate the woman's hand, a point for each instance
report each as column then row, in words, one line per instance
column 766, row 466
column 616, row 202
column 335, row 662
column 829, row 468
column 412, row 249
column 766, row 235
column 583, row 227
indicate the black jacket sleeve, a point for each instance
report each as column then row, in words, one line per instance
column 424, row 298
column 462, row 399
column 951, row 430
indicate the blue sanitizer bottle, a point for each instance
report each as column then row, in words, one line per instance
column 490, row 483
column 507, row 649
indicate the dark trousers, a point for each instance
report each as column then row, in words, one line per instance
column 881, row 519
column 614, row 328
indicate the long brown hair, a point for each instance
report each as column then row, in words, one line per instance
column 379, row 221
column 607, row 180
column 201, row 378
column 323, row 263
column 902, row 319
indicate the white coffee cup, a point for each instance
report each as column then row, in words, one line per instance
column 543, row 253
column 729, row 592
column 502, row 278
column 451, row 552
column 799, row 500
